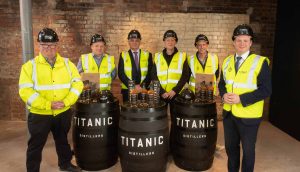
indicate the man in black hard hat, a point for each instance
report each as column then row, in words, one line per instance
column 203, row 62
column 244, row 84
column 49, row 84
column 170, row 67
column 134, row 64
column 98, row 62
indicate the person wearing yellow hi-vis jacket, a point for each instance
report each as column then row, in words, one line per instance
column 203, row 62
column 134, row 64
column 99, row 62
column 170, row 68
column 244, row 84
column 49, row 84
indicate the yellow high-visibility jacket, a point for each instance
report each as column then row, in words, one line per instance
column 169, row 76
column 144, row 56
column 211, row 66
column 244, row 81
column 40, row 84
column 106, row 67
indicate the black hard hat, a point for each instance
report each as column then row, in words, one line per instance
column 170, row 33
column 134, row 34
column 47, row 35
column 201, row 37
column 242, row 29
column 97, row 38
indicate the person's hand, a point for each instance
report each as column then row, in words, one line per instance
column 165, row 95
column 226, row 98
column 57, row 105
column 171, row 94
column 234, row 98
column 231, row 98
column 138, row 88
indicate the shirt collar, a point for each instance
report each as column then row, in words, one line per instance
column 43, row 59
column 138, row 51
column 244, row 56
column 96, row 56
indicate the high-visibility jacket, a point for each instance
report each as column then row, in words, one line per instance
column 144, row 56
column 106, row 67
column 211, row 67
column 40, row 84
column 169, row 76
column 244, row 81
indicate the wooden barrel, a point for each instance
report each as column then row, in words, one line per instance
column 143, row 139
column 193, row 135
column 95, row 132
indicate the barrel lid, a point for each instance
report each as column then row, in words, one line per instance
column 98, row 105
column 126, row 106
column 182, row 102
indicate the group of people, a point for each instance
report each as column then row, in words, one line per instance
column 49, row 84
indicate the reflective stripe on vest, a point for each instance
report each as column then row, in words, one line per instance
column 105, row 76
column 213, row 62
column 86, row 63
column 241, row 82
column 178, row 70
column 193, row 60
column 249, row 83
column 144, row 56
column 170, row 75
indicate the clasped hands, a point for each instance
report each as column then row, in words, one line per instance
column 231, row 98
column 168, row 95
column 57, row 105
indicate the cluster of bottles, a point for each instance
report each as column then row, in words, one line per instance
column 91, row 94
column 144, row 98
column 204, row 93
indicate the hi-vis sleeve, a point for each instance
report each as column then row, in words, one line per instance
column 76, row 86
column 26, row 91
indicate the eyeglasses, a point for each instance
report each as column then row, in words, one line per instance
column 46, row 46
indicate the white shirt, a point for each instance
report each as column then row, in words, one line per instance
column 244, row 56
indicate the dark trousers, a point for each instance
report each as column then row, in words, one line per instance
column 39, row 127
column 238, row 130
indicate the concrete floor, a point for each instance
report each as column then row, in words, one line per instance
column 275, row 151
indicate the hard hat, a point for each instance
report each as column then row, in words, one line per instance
column 242, row 29
column 170, row 33
column 97, row 38
column 134, row 34
column 47, row 35
column 201, row 37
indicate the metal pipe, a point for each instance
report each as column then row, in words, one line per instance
column 26, row 29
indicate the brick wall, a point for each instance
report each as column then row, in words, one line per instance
column 76, row 20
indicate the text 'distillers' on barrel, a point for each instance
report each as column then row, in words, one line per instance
column 95, row 131
column 194, row 134
column 143, row 138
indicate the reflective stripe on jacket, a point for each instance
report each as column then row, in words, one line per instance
column 40, row 84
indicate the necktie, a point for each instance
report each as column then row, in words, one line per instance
column 136, row 60
column 237, row 62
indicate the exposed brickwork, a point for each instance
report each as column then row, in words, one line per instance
column 76, row 20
